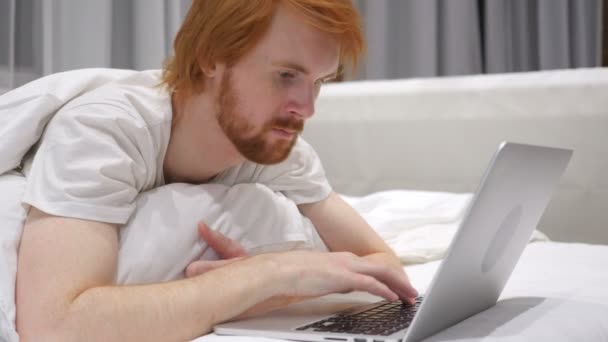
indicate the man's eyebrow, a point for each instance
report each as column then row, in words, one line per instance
column 302, row 69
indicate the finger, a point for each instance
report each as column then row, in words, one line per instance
column 201, row 266
column 372, row 285
column 395, row 280
column 225, row 247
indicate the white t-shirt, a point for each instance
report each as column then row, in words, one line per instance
column 105, row 147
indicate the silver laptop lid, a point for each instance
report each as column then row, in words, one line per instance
column 500, row 219
column 504, row 212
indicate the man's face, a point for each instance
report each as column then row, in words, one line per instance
column 265, row 98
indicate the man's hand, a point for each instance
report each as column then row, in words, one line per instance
column 231, row 251
column 228, row 249
column 392, row 261
column 343, row 229
column 312, row 273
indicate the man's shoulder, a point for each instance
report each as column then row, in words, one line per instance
column 139, row 96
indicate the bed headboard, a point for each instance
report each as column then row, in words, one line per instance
column 439, row 134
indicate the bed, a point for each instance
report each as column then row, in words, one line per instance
column 557, row 292
column 408, row 154
column 437, row 135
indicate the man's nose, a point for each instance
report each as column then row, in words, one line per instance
column 302, row 104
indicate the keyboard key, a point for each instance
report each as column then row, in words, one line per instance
column 382, row 318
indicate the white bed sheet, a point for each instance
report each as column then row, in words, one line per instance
column 557, row 292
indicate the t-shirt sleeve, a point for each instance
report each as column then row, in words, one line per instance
column 89, row 164
column 300, row 177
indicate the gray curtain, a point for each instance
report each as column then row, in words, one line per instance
column 407, row 38
column 420, row 38
column 57, row 35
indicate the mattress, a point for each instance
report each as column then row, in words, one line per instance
column 557, row 292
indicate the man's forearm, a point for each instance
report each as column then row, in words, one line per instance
column 174, row 311
column 275, row 303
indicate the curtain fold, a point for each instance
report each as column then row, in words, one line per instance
column 406, row 38
column 59, row 35
column 81, row 34
column 133, row 34
column 422, row 38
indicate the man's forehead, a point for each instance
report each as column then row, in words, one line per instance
column 291, row 41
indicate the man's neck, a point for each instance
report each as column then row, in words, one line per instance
column 198, row 148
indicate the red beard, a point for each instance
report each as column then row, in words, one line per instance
column 257, row 148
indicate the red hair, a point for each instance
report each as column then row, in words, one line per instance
column 225, row 30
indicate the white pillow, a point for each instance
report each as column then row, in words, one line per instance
column 418, row 225
column 12, row 217
column 161, row 238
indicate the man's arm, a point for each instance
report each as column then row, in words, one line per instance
column 343, row 229
column 65, row 289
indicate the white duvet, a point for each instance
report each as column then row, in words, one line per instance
column 161, row 239
column 417, row 225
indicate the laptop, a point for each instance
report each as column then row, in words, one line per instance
column 498, row 224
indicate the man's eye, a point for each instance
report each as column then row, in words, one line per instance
column 287, row 75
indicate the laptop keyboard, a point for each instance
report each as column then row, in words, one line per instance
column 382, row 318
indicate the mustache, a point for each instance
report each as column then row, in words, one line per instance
column 288, row 123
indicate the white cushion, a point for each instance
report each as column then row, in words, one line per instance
column 12, row 217
column 439, row 134
column 161, row 238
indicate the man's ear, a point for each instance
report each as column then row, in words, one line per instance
column 208, row 68
column 210, row 71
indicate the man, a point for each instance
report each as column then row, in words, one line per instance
column 241, row 85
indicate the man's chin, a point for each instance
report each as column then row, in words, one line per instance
column 272, row 158
column 270, row 155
